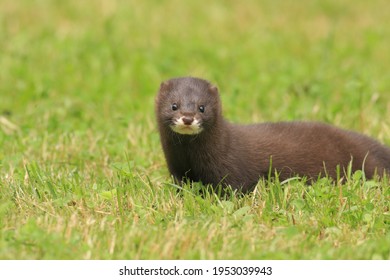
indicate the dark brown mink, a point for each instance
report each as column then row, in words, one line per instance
column 200, row 145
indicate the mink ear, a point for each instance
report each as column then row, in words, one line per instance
column 165, row 86
column 213, row 89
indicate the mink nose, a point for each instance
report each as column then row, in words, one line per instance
column 188, row 120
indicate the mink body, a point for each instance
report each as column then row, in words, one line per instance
column 200, row 145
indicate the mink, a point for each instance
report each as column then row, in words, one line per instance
column 201, row 146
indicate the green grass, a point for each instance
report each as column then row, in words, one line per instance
column 82, row 174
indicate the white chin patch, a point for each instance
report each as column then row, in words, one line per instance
column 181, row 128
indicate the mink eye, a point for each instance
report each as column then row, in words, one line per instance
column 201, row 108
column 174, row 107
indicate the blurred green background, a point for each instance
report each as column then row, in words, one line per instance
column 93, row 67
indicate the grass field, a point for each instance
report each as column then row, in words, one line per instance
column 82, row 173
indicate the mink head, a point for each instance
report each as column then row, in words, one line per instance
column 187, row 106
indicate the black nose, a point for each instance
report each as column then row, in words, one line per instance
column 188, row 120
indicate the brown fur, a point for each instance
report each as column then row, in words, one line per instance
column 238, row 155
